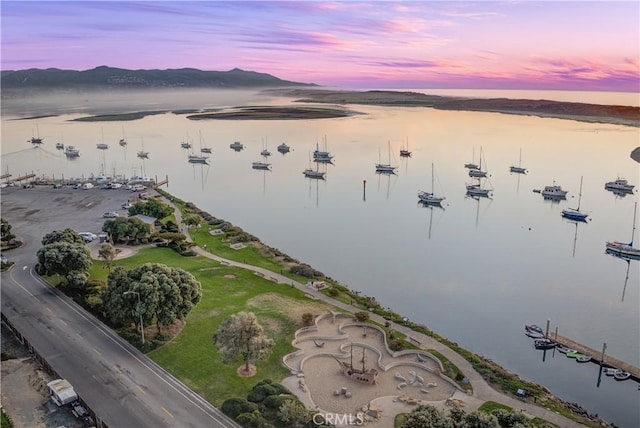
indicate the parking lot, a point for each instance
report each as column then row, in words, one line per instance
column 36, row 211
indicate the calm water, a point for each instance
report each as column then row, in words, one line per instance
column 475, row 271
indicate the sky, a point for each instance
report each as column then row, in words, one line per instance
column 544, row 45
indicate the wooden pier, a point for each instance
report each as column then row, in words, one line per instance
column 595, row 355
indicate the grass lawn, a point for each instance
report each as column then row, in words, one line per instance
column 191, row 356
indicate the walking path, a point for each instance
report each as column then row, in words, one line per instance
column 482, row 391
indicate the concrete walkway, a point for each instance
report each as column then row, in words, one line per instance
column 482, row 391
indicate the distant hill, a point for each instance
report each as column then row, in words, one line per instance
column 109, row 77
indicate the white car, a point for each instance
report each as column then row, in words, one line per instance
column 88, row 236
column 111, row 214
column 127, row 205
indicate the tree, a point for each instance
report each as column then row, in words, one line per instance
column 241, row 335
column 126, row 230
column 5, row 230
column 307, row 319
column 362, row 316
column 166, row 294
column 151, row 208
column 66, row 259
column 66, row 235
column 107, row 252
column 192, row 220
column 294, row 414
column 427, row 416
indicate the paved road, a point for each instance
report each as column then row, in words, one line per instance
column 122, row 385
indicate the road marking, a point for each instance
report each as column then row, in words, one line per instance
column 143, row 391
column 49, row 309
column 97, row 352
column 63, row 321
column 20, row 285
column 166, row 411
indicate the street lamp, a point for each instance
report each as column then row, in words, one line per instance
column 139, row 312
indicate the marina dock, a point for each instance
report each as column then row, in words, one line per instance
column 596, row 355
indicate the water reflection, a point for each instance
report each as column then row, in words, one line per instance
column 431, row 208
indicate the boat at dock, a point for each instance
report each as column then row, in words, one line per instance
column 611, row 371
column 534, row 328
column 583, row 359
column 625, row 250
column 544, row 344
column 622, row 375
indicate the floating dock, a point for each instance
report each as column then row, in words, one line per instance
column 596, row 355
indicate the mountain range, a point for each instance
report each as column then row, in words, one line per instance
column 110, row 77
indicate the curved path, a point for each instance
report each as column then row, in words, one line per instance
column 482, row 391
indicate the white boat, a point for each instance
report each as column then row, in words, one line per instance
column 518, row 169
column 622, row 375
column 260, row 165
column 236, row 145
column 283, row 148
column 472, row 165
column 574, row 213
column 476, row 190
column 322, row 156
column 102, row 146
column 554, row 192
column 544, row 344
column 478, row 172
column 611, row 371
column 385, row 168
column 620, row 184
column 71, row 152
column 314, row 173
column 625, row 250
column 430, row 197
column 198, row 159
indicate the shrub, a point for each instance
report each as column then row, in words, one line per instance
column 396, row 345
column 307, row 319
column 235, row 406
column 362, row 316
column 305, row 270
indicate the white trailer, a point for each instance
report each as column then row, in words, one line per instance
column 61, row 392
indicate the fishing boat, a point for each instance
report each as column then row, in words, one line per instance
column 619, row 185
column 236, row 145
column 71, row 152
column 283, row 148
column 625, row 250
column 472, row 165
column 478, row 172
column 518, row 169
column 385, row 168
column 554, row 192
column 574, row 213
column 430, row 197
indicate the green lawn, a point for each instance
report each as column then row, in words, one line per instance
column 191, row 356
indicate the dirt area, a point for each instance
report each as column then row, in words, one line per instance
column 24, row 394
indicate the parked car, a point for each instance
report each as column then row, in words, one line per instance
column 127, row 205
column 88, row 236
column 111, row 214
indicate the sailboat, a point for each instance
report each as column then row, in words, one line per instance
column 204, row 149
column 430, row 198
column 316, row 174
column 575, row 214
column 265, row 151
column 37, row 140
column 284, row 148
column 518, row 169
column 385, row 168
column 404, row 151
column 322, row 156
column 472, row 165
column 478, row 172
column 123, row 140
column 142, row 154
column 625, row 250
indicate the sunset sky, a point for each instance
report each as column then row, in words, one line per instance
column 577, row 45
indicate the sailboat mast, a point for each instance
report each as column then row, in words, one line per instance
column 431, row 177
column 580, row 194
column 633, row 230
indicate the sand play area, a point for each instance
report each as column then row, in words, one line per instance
column 408, row 377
